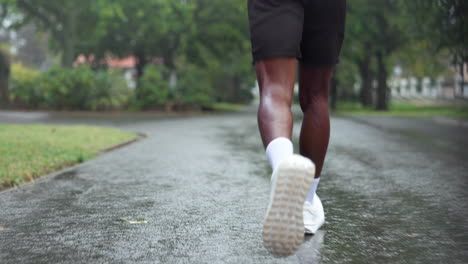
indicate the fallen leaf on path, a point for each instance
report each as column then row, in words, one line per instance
column 2, row 228
column 133, row 222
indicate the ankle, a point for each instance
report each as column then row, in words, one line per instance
column 312, row 191
column 278, row 150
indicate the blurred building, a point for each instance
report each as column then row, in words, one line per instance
column 441, row 88
column 127, row 65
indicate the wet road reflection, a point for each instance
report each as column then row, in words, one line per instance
column 310, row 251
column 201, row 185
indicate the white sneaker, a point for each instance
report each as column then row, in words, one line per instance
column 283, row 227
column 314, row 217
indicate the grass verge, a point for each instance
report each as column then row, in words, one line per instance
column 227, row 107
column 398, row 109
column 30, row 151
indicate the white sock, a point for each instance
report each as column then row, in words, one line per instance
column 278, row 150
column 313, row 189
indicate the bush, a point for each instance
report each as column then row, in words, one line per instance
column 193, row 87
column 67, row 88
column 77, row 88
column 23, row 91
column 152, row 89
column 110, row 92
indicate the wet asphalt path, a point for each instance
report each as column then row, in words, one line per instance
column 395, row 190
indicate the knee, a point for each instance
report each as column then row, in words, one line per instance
column 276, row 98
column 314, row 100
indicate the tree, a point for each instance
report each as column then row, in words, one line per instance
column 146, row 29
column 358, row 45
column 209, row 34
column 390, row 37
column 220, row 43
column 445, row 23
column 33, row 50
column 64, row 20
column 374, row 30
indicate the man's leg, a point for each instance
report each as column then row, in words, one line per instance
column 313, row 97
column 276, row 78
column 283, row 227
column 315, row 133
column 321, row 42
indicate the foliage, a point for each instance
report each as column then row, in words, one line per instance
column 438, row 31
column 374, row 36
column 67, row 88
column 193, row 86
column 420, row 58
column 152, row 89
column 68, row 22
column 77, row 88
column 347, row 74
column 183, row 32
column 208, row 41
column 417, row 35
column 223, row 48
column 110, row 91
column 21, row 73
column 24, row 91
column 444, row 22
column 146, row 29
column 210, row 35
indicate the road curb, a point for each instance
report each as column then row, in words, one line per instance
column 140, row 136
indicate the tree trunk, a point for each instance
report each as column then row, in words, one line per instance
column 462, row 81
column 333, row 91
column 382, row 92
column 366, row 78
column 5, row 102
column 140, row 64
column 69, row 40
column 67, row 56
column 4, row 76
column 169, row 63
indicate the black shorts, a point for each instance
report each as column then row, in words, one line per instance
column 310, row 30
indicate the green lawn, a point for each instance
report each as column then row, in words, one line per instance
column 397, row 109
column 228, row 107
column 29, row 151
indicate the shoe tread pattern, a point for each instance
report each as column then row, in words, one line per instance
column 283, row 229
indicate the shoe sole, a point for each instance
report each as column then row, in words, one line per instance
column 283, row 227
